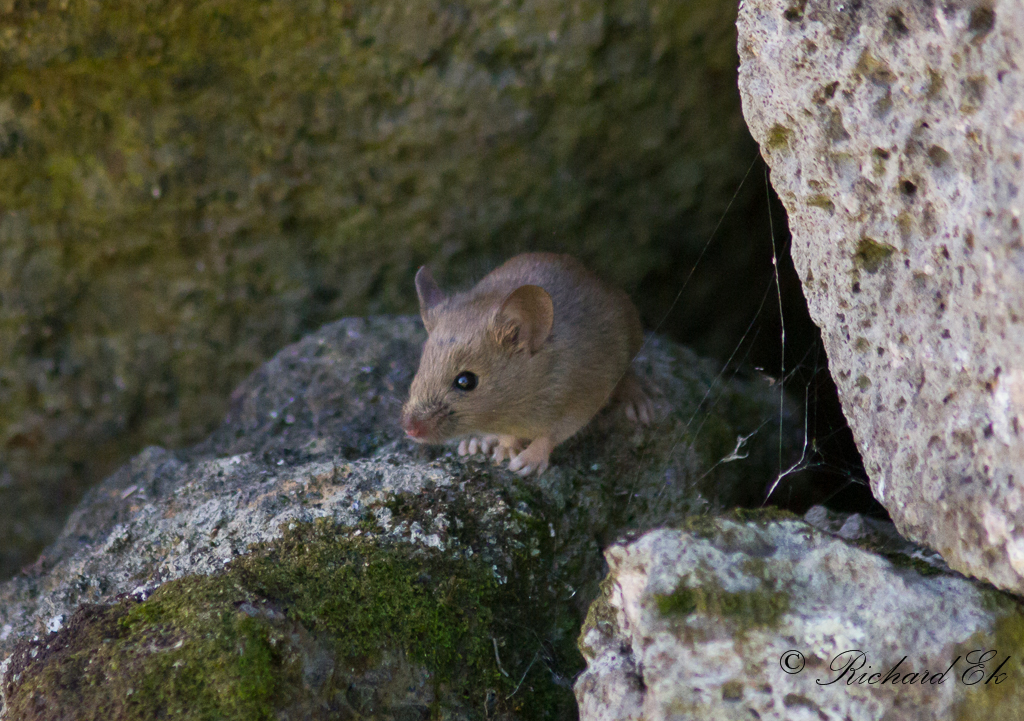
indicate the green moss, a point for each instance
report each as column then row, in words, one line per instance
column 702, row 525
column 368, row 598
column 225, row 647
column 709, row 526
column 874, row 69
column 879, row 157
column 732, row 690
column 905, row 224
column 936, row 84
column 600, row 615
column 761, row 516
column 872, row 254
column 778, row 137
column 187, row 652
column 444, row 611
column 988, row 699
column 747, row 609
column 823, row 202
column 923, row 568
column 681, row 602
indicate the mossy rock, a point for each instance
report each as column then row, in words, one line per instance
column 762, row 615
column 186, row 187
column 322, row 623
column 321, row 563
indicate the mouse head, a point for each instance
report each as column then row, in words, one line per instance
column 476, row 359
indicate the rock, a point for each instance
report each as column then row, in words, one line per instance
column 876, row 535
column 306, row 560
column 895, row 135
column 773, row 619
column 186, row 188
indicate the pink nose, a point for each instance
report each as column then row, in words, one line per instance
column 415, row 428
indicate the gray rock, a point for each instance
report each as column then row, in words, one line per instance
column 730, row 619
column 172, row 215
column 308, row 484
column 895, row 134
column 877, row 535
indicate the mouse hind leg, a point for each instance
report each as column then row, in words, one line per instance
column 634, row 400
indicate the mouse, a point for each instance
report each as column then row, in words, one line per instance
column 522, row 361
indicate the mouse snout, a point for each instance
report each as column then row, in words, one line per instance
column 415, row 428
column 421, row 427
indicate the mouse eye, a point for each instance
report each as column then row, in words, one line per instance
column 465, row 381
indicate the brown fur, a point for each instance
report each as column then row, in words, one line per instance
column 531, row 385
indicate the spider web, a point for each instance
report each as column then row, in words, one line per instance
column 796, row 367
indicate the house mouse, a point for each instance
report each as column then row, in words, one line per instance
column 523, row 360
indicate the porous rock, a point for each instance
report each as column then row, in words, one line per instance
column 773, row 619
column 895, row 135
column 306, row 560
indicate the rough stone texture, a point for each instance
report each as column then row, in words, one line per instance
column 895, row 134
column 310, row 457
column 699, row 624
column 186, row 187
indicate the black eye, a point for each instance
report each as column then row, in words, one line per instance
column 465, row 381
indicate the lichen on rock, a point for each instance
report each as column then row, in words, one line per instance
column 326, row 566
column 772, row 618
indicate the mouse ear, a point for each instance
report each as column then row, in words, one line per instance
column 524, row 319
column 429, row 294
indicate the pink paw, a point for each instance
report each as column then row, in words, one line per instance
column 532, row 460
column 498, row 447
column 640, row 411
column 634, row 400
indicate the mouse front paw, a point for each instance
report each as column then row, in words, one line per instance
column 472, row 446
column 525, row 463
column 497, row 447
column 535, row 459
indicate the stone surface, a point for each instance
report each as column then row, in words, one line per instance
column 307, row 491
column 742, row 618
column 895, row 135
column 187, row 187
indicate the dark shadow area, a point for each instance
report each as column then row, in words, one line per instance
column 743, row 329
